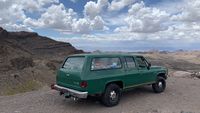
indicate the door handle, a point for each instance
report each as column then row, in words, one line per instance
column 67, row 74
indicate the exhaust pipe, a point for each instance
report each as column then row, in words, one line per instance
column 75, row 98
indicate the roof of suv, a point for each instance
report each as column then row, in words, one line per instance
column 104, row 54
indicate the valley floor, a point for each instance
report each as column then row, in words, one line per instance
column 181, row 96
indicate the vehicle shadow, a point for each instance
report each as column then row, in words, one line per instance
column 126, row 96
column 136, row 93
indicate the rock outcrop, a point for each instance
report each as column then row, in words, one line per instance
column 27, row 56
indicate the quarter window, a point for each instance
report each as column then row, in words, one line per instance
column 130, row 62
column 105, row 63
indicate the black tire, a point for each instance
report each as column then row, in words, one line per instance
column 111, row 96
column 160, row 85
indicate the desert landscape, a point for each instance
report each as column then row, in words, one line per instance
column 28, row 64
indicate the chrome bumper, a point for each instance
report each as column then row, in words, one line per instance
column 71, row 92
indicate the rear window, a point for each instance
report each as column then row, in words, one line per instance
column 105, row 63
column 74, row 63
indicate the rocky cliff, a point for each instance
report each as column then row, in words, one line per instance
column 28, row 60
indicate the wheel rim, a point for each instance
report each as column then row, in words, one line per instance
column 113, row 95
column 160, row 84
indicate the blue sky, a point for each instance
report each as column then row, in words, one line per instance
column 108, row 25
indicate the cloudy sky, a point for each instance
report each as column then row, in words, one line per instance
column 109, row 25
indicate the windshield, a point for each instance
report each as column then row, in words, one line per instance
column 74, row 63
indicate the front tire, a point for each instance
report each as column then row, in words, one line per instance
column 111, row 96
column 159, row 86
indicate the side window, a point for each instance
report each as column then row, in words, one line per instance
column 105, row 63
column 130, row 62
column 141, row 62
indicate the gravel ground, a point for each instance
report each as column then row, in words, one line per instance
column 181, row 96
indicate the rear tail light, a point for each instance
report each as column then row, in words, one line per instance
column 83, row 84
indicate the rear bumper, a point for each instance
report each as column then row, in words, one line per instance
column 71, row 92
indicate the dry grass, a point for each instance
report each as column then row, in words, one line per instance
column 25, row 87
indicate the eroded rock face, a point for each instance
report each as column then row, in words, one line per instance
column 22, row 62
column 3, row 50
column 51, row 65
column 33, row 44
column 3, row 33
column 27, row 56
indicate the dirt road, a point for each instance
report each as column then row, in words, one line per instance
column 181, row 96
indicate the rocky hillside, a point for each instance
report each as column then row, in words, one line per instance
column 28, row 60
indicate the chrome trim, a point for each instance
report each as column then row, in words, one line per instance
column 72, row 92
column 132, row 86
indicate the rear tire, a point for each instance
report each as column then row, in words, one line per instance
column 159, row 86
column 111, row 96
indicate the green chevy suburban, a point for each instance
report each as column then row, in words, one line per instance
column 107, row 75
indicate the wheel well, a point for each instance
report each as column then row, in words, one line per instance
column 162, row 75
column 119, row 83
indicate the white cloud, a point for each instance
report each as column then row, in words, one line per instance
column 35, row 5
column 190, row 12
column 13, row 12
column 52, row 15
column 117, row 20
column 97, row 23
column 182, row 35
column 171, row 39
column 56, row 17
column 92, row 9
column 10, row 14
column 85, row 25
column 81, row 26
column 65, row 20
column 144, row 19
column 116, row 5
column 17, row 27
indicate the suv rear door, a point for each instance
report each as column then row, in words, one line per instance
column 69, row 75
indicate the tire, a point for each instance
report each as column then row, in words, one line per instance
column 159, row 86
column 111, row 96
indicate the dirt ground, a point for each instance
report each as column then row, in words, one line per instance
column 181, row 96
